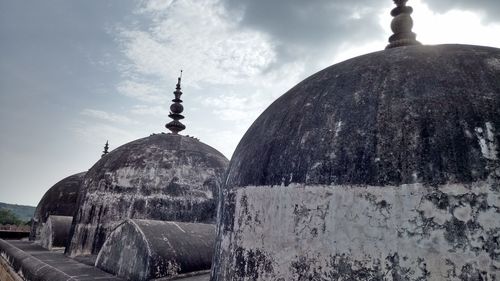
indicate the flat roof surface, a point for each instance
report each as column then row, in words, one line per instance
column 56, row 259
column 67, row 268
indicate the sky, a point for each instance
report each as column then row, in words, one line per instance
column 74, row 74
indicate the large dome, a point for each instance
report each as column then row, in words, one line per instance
column 383, row 164
column 399, row 116
column 161, row 177
column 59, row 200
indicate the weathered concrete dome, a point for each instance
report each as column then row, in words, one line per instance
column 160, row 177
column 383, row 165
column 59, row 200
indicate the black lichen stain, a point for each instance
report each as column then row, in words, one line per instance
column 397, row 272
column 310, row 220
column 469, row 273
column 439, row 199
column 228, row 212
column 343, row 267
column 174, row 189
column 244, row 217
column 99, row 238
column 455, row 233
column 492, row 244
column 382, row 204
column 303, row 269
column 339, row 267
column 251, row 263
column 138, row 207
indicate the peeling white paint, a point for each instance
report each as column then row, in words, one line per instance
column 493, row 63
column 487, row 141
column 338, row 128
column 367, row 225
column 463, row 213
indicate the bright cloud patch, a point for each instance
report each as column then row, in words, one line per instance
column 454, row 26
column 106, row 116
column 145, row 92
column 230, row 73
column 198, row 36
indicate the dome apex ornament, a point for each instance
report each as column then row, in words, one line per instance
column 176, row 109
column 401, row 25
column 106, row 148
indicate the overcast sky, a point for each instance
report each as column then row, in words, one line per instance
column 74, row 74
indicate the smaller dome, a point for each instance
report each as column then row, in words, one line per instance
column 160, row 177
column 59, row 200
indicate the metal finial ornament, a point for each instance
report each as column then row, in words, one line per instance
column 105, row 151
column 176, row 109
column 401, row 25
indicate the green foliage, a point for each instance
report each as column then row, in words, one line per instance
column 8, row 217
column 23, row 212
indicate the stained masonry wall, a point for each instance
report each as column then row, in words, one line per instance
column 408, row 232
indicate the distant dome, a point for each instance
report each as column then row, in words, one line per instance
column 383, row 164
column 160, row 177
column 59, row 200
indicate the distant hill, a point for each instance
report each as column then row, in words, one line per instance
column 25, row 213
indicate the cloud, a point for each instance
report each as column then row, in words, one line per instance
column 107, row 116
column 237, row 108
column 453, row 26
column 301, row 27
column 197, row 36
column 150, row 110
column 224, row 140
column 97, row 134
column 141, row 91
column 488, row 8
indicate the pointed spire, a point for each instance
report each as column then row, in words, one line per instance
column 105, row 151
column 401, row 25
column 176, row 109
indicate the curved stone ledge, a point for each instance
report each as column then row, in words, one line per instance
column 55, row 232
column 166, row 249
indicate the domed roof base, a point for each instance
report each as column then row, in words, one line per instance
column 383, row 165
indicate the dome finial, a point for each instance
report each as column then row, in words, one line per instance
column 105, row 151
column 176, row 109
column 401, row 25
